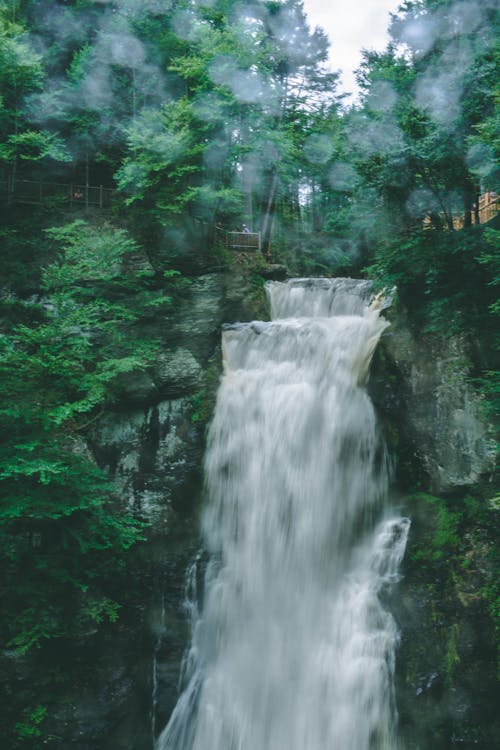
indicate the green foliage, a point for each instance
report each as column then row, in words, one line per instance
column 61, row 536
column 161, row 144
column 99, row 610
column 443, row 278
column 21, row 73
column 490, row 258
column 33, row 145
column 419, row 147
column 29, row 729
column 484, row 151
column 89, row 253
column 245, row 91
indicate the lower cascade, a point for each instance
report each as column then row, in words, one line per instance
column 293, row 648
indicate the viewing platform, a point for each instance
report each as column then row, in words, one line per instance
column 246, row 241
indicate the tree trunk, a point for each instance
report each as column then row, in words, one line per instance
column 468, row 202
column 86, row 181
column 477, row 218
column 268, row 216
column 248, row 193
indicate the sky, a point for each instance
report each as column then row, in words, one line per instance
column 351, row 25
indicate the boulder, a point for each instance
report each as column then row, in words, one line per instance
column 177, row 373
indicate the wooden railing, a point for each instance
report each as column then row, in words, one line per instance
column 33, row 192
column 247, row 241
column 488, row 206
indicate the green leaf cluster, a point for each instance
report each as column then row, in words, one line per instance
column 62, row 535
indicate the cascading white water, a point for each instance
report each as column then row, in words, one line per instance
column 294, row 649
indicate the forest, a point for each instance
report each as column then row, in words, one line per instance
column 134, row 135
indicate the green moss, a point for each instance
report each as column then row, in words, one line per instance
column 27, row 731
column 202, row 406
column 456, row 545
column 442, row 538
column 203, row 402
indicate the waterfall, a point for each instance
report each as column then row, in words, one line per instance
column 293, row 648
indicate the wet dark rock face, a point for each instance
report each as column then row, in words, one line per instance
column 439, row 436
column 446, row 679
column 153, row 454
column 152, row 446
column 101, row 699
column 437, row 427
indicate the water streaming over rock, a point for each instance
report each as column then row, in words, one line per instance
column 294, row 649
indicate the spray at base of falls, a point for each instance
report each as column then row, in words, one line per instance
column 293, row 649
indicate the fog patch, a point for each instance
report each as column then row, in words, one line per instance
column 247, row 21
column 95, row 90
column 61, row 24
column 481, row 160
column 371, row 137
column 417, row 33
column 419, row 30
column 247, row 86
column 121, row 49
column 464, row 17
column 215, row 155
column 318, row 148
column 187, row 25
column 94, row 80
column 382, row 96
column 284, row 25
column 343, row 177
column 150, row 134
column 421, row 202
column 133, row 178
column 439, row 95
column 209, row 107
